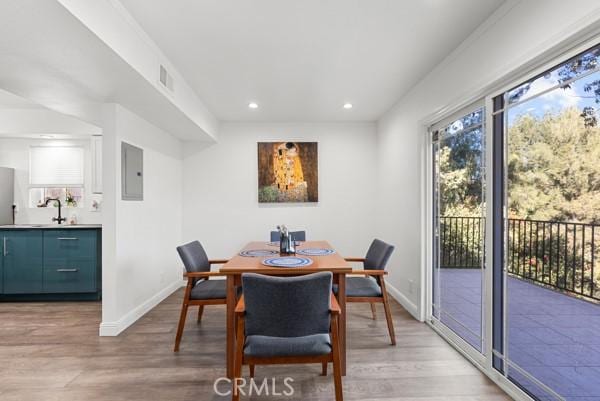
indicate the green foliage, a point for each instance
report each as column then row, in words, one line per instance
column 268, row 194
column 461, row 240
column 553, row 172
column 460, row 178
column 554, row 168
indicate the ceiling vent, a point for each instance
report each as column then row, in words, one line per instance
column 165, row 79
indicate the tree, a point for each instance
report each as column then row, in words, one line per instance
column 554, row 167
column 460, row 178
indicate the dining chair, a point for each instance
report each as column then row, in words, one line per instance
column 296, row 235
column 371, row 287
column 287, row 320
column 200, row 290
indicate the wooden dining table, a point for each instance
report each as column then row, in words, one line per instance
column 239, row 265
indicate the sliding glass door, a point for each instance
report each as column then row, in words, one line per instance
column 459, row 224
column 547, row 249
column 543, row 231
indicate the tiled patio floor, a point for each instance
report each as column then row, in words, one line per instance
column 554, row 337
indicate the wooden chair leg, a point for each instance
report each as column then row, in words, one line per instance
column 251, row 370
column 324, row 369
column 200, row 310
column 239, row 355
column 337, row 367
column 373, row 311
column 390, row 322
column 388, row 313
column 184, row 309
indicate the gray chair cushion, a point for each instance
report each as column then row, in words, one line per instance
column 209, row 289
column 378, row 255
column 361, row 287
column 266, row 346
column 193, row 257
column 287, row 306
column 296, row 235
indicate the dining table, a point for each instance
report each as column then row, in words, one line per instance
column 244, row 262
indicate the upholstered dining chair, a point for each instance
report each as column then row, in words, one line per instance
column 370, row 287
column 287, row 320
column 296, row 235
column 200, row 290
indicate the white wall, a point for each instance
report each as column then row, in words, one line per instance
column 517, row 33
column 140, row 263
column 113, row 24
column 14, row 153
column 220, row 201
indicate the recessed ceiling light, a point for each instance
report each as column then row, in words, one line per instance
column 347, row 106
column 47, row 136
column 253, row 105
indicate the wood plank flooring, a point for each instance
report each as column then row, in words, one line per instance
column 52, row 352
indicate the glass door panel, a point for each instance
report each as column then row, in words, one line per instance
column 459, row 226
column 552, row 232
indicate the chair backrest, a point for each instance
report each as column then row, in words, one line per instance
column 378, row 255
column 296, row 235
column 287, row 306
column 194, row 258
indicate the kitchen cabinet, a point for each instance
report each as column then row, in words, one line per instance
column 69, row 261
column 1, row 265
column 22, row 256
column 53, row 263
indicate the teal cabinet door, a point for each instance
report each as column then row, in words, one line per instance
column 72, row 276
column 61, row 245
column 70, row 261
column 22, row 255
column 1, row 262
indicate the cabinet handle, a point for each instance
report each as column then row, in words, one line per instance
column 67, row 270
column 67, row 239
column 4, row 250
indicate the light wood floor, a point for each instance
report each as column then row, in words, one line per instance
column 52, row 352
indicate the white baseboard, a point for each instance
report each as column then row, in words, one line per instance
column 111, row 329
column 403, row 300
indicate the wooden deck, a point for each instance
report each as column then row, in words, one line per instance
column 52, row 352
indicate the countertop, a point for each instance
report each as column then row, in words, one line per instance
column 49, row 226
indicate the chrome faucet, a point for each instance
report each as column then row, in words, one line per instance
column 59, row 219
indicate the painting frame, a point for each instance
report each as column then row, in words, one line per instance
column 288, row 172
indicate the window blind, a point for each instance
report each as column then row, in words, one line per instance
column 56, row 166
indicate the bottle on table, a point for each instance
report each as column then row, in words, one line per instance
column 286, row 241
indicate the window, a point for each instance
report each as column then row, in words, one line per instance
column 56, row 166
column 56, row 173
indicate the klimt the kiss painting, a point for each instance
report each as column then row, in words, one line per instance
column 288, row 172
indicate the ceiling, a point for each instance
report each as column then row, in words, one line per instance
column 11, row 101
column 22, row 118
column 52, row 58
column 302, row 60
